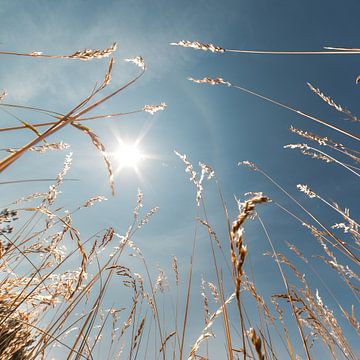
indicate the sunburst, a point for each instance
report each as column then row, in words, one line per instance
column 129, row 155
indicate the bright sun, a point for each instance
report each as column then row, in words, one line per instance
column 129, row 156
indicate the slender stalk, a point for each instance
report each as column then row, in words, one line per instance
column 287, row 290
column 344, row 132
column 274, row 52
column 107, row 116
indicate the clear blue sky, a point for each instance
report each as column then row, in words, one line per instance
column 216, row 125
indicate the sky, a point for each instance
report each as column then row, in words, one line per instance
column 217, row 125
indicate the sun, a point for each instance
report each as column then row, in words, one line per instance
column 129, row 155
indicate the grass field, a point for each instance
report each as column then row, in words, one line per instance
column 57, row 300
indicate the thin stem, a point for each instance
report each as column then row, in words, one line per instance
column 344, row 132
column 22, row 127
column 272, row 52
column 287, row 289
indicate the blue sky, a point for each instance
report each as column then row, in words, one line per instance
column 216, row 125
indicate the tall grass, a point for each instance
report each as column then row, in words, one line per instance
column 54, row 300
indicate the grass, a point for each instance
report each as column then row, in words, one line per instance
column 55, row 298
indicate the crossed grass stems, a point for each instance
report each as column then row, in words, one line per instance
column 27, row 302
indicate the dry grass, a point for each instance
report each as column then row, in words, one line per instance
column 54, row 296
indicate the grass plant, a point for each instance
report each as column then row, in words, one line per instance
column 52, row 297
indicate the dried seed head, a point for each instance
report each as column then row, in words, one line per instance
column 306, row 190
column 321, row 140
column 199, row 46
column 293, row 248
column 214, row 292
column 189, row 168
column 211, row 231
column 99, row 145
column 94, row 200
column 309, row 151
column 256, row 342
column 139, row 204
column 161, row 281
column 89, row 54
column 152, row 109
column 147, row 217
column 205, row 169
column 331, row 102
column 36, row 53
column 138, row 61
column 43, row 148
column 174, row 264
column 250, row 164
column 206, row 333
column 297, row 146
column 210, row 81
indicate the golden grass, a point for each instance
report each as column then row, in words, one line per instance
column 52, row 296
